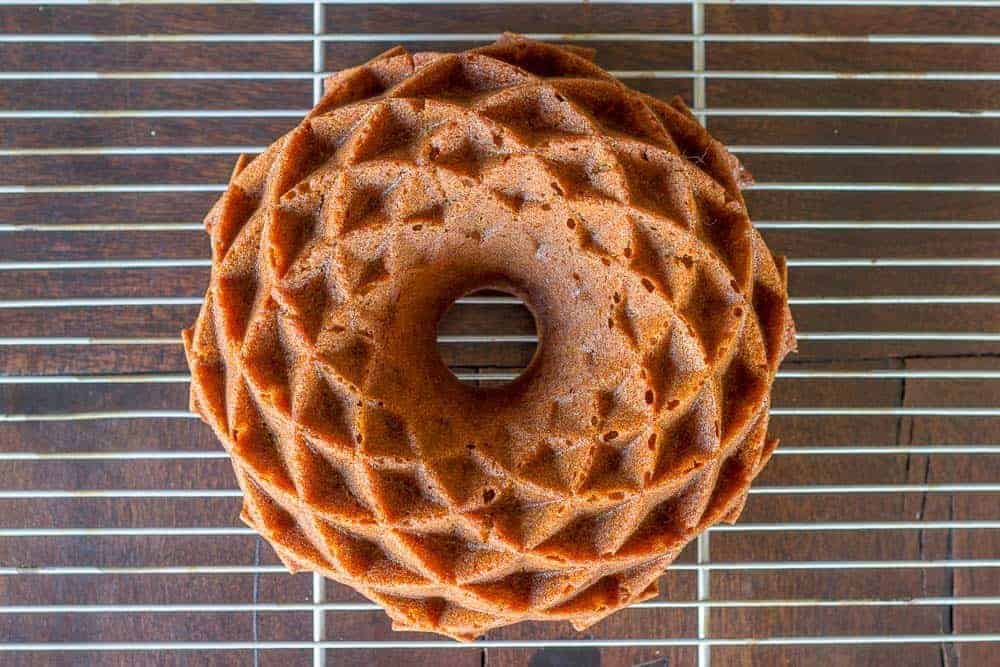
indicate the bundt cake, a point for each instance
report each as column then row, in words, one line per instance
column 640, row 421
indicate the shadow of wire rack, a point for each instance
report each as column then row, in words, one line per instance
column 873, row 129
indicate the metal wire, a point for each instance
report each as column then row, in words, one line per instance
column 723, row 528
column 698, row 74
column 505, row 643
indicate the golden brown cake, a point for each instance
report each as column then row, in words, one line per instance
column 642, row 418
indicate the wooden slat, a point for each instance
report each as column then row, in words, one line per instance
column 822, row 545
column 874, row 430
column 876, row 469
column 881, row 243
column 852, row 19
column 110, row 169
column 173, row 474
column 916, row 654
column 150, row 94
column 221, row 658
column 851, row 57
column 110, row 19
column 885, row 205
column 93, row 359
column 832, row 507
column 128, row 321
column 152, row 627
column 836, row 392
column 834, row 431
column 161, row 132
column 852, row 94
column 43, row 246
column 117, row 513
column 831, row 585
column 156, row 56
column 815, row 281
column 60, row 398
column 80, row 283
column 855, row 131
column 105, row 207
column 928, row 169
column 860, row 348
column 137, row 551
column 521, row 17
column 163, row 589
column 106, row 436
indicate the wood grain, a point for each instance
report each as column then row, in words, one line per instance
column 105, row 207
column 848, row 93
column 851, row 57
column 42, row 246
column 161, row 132
column 112, row 169
column 852, row 20
column 156, row 56
column 156, row 18
column 108, row 435
column 520, row 17
column 149, row 94
column 819, row 168
column 818, row 205
column 855, row 131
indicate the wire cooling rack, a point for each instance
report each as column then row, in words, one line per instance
column 874, row 131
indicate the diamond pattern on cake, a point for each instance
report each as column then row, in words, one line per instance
column 523, row 166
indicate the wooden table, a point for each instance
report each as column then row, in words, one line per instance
column 878, row 170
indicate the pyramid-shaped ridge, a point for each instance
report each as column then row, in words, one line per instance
column 516, row 164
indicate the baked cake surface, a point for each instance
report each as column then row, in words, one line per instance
column 642, row 418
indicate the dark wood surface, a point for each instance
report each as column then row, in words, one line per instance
column 813, row 77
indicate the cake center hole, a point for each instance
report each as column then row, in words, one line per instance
column 487, row 338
